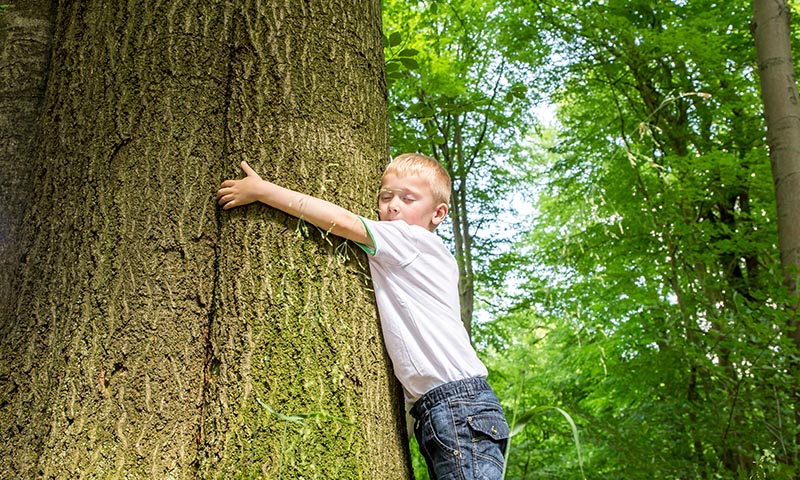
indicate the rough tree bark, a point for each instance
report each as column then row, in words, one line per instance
column 25, row 40
column 25, row 34
column 771, row 32
column 151, row 335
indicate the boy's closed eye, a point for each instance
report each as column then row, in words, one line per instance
column 387, row 195
column 403, row 199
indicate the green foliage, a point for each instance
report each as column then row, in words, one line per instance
column 399, row 60
column 654, row 243
column 642, row 297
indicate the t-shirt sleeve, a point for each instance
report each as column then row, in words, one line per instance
column 393, row 242
column 370, row 250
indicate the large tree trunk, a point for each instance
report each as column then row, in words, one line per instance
column 771, row 31
column 154, row 336
column 25, row 34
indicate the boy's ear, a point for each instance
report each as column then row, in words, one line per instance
column 439, row 214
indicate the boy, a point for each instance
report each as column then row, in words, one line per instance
column 460, row 426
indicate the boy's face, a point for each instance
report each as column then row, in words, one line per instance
column 409, row 199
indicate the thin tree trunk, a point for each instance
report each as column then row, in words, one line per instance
column 466, row 284
column 771, row 31
column 155, row 336
column 452, row 158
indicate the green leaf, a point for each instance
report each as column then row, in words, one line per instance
column 395, row 39
column 409, row 63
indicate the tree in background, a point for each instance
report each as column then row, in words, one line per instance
column 150, row 335
column 771, row 31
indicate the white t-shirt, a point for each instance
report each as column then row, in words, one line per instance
column 416, row 290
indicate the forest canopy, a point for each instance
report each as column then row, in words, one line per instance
column 619, row 223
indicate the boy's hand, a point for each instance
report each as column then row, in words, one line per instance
column 235, row 193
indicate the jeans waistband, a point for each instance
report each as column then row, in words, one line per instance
column 467, row 386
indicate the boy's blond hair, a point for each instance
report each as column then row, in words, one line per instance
column 427, row 168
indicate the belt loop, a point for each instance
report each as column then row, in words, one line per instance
column 470, row 388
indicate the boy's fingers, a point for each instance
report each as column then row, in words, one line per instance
column 249, row 171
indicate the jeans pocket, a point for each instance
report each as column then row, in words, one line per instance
column 438, row 443
column 489, row 424
column 439, row 434
column 490, row 434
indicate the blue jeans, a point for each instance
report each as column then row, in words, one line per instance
column 461, row 431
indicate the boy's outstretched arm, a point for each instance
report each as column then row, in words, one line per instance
column 325, row 215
